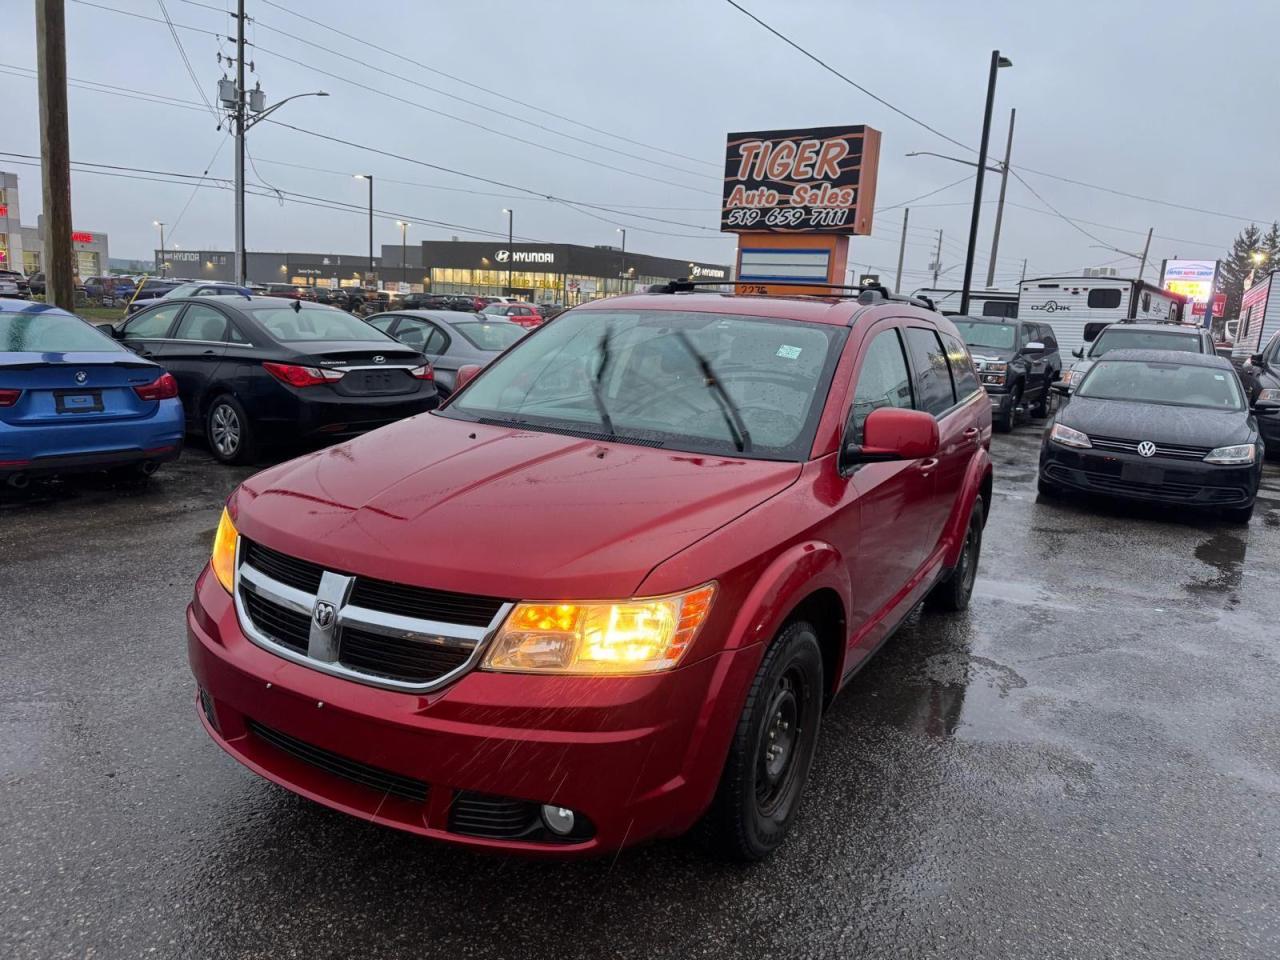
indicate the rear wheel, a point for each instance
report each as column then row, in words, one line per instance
column 229, row 432
column 768, row 763
column 953, row 593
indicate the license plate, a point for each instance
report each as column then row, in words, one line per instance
column 79, row 402
column 380, row 381
column 1144, row 473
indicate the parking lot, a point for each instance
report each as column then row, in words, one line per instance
column 1086, row 764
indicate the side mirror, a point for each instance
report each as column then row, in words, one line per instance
column 1061, row 387
column 1078, row 353
column 891, row 433
column 466, row 373
column 1035, row 346
column 1256, row 360
column 1266, row 408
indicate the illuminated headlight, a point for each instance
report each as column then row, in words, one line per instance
column 1068, row 437
column 1269, row 394
column 224, row 551
column 1237, row 454
column 609, row 637
column 993, row 378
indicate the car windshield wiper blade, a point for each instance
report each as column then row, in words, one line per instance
column 732, row 416
column 597, row 394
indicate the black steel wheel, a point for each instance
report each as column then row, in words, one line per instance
column 768, row 763
column 1010, row 416
column 953, row 593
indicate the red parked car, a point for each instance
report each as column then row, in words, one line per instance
column 525, row 314
column 609, row 589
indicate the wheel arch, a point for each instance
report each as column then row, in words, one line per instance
column 978, row 481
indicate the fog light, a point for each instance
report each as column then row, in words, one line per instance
column 559, row 820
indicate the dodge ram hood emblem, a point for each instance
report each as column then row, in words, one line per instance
column 323, row 614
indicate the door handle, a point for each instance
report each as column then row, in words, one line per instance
column 210, row 353
column 970, row 433
column 926, row 466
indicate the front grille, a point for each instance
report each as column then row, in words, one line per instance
column 1169, row 490
column 499, row 818
column 1175, row 451
column 424, row 603
column 286, row 627
column 375, row 778
column 301, row 574
column 405, row 659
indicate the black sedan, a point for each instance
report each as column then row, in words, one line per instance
column 1152, row 425
column 450, row 339
column 260, row 371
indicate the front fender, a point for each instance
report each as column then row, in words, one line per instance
column 977, row 479
column 794, row 574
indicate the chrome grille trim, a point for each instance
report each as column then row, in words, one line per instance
column 324, row 645
column 1171, row 451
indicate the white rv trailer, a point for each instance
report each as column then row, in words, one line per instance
column 982, row 303
column 1259, row 317
column 1068, row 303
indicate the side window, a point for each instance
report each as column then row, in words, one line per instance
column 201, row 323
column 962, row 372
column 437, row 342
column 414, row 333
column 382, row 323
column 934, row 391
column 883, row 381
column 1047, row 338
column 1274, row 356
column 1104, row 299
column 235, row 336
column 151, row 324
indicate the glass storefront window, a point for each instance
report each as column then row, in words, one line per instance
column 30, row 261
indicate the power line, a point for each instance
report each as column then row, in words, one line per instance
column 476, row 86
column 173, row 230
column 924, row 195
column 832, row 70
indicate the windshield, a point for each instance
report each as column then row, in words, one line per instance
column 997, row 335
column 491, row 336
column 313, row 323
column 44, row 331
column 1116, row 338
column 1158, row 382
column 703, row 382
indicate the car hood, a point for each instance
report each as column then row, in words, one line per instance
column 1159, row 423
column 500, row 511
column 992, row 353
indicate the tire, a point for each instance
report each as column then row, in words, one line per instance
column 1009, row 418
column 952, row 594
column 1238, row 514
column 228, row 430
column 1041, row 409
column 768, row 763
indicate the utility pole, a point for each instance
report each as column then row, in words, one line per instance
column 242, row 258
column 622, row 262
column 902, row 249
column 511, row 239
column 55, row 150
column 1024, row 270
column 937, row 260
column 997, row 62
column 1146, row 247
column 1004, row 182
column 160, row 265
column 369, row 177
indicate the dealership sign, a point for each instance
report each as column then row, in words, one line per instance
column 709, row 273
column 812, row 180
column 525, row 256
column 1191, row 278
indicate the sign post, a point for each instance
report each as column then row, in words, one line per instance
column 794, row 197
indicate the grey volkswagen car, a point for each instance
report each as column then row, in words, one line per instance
column 450, row 339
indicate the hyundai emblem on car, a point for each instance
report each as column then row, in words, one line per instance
column 379, row 359
column 323, row 614
column 1147, row 448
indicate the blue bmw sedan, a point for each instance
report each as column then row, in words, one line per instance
column 74, row 400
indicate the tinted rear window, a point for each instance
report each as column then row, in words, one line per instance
column 1118, row 338
column 39, row 331
column 490, row 336
column 314, row 323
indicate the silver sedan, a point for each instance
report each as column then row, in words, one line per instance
column 450, row 339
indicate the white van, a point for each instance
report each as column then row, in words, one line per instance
column 1068, row 303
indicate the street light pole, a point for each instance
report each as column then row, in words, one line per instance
column 511, row 238
column 369, row 177
column 404, row 267
column 622, row 266
column 902, row 250
column 997, row 62
column 160, row 265
column 1004, row 182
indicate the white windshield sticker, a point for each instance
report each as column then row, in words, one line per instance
column 791, row 353
column 1218, row 376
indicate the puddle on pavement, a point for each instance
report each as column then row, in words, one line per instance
column 1224, row 552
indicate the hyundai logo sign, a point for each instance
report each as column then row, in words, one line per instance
column 525, row 256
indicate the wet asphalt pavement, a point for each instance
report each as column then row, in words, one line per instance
column 1085, row 765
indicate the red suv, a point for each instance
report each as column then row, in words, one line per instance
column 609, row 589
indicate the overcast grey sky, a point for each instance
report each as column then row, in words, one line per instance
column 1163, row 99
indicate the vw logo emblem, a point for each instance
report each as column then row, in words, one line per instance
column 502, row 256
column 1147, row 449
column 323, row 615
column 81, row 376
column 379, row 359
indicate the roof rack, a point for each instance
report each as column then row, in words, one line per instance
column 867, row 293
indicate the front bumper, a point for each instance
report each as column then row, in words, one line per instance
column 1156, row 479
column 999, row 397
column 640, row 757
column 1269, row 428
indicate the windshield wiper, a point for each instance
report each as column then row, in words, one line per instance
column 732, row 417
column 597, row 395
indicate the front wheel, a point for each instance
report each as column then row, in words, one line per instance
column 229, row 432
column 1041, row 409
column 1010, row 416
column 768, row 762
column 953, row 593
